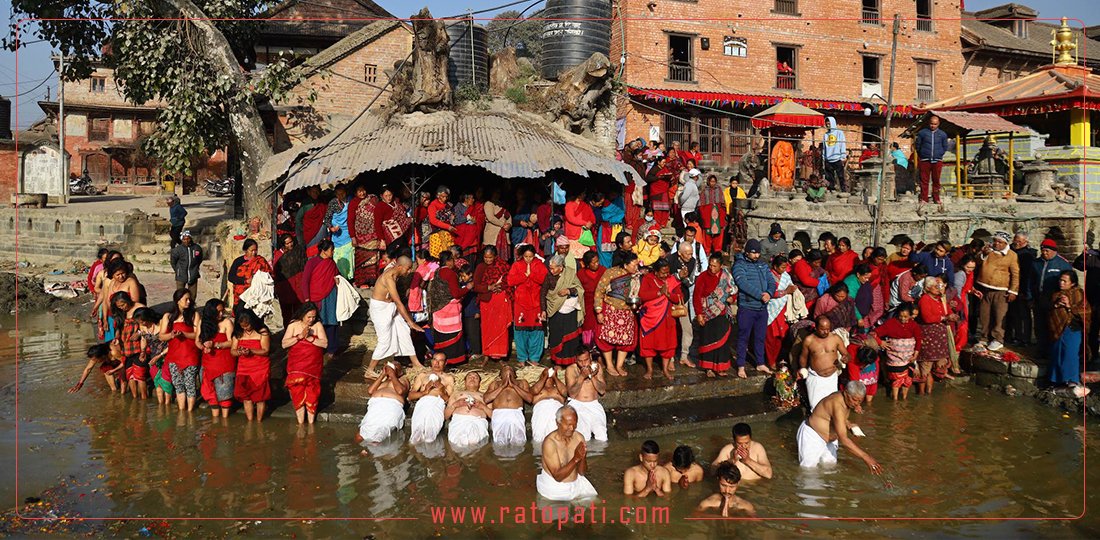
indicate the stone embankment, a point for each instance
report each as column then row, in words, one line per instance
column 1024, row 377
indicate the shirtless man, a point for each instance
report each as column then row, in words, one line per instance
column 549, row 396
column 749, row 456
column 391, row 319
column 469, row 414
column 507, row 396
column 726, row 499
column 683, row 469
column 431, row 390
column 564, row 462
column 386, row 406
column 585, row 383
column 827, row 428
column 819, row 363
column 647, row 477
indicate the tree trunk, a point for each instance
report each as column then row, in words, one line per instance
column 244, row 117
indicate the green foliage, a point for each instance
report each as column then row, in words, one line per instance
column 510, row 29
column 516, row 94
column 468, row 93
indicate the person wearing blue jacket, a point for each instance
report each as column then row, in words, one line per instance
column 937, row 261
column 835, row 153
column 930, row 144
column 1047, row 270
column 755, row 286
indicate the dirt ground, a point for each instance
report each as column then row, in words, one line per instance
column 30, row 293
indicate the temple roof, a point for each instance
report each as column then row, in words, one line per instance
column 1062, row 85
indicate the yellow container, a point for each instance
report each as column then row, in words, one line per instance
column 169, row 186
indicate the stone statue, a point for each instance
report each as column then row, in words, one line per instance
column 1039, row 181
column 423, row 85
column 579, row 93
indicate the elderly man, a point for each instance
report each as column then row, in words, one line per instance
column 391, row 319
column 754, row 280
column 564, row 462
column 823, row 352
column 585, row 383
column 820, row 435
column 1018, row 328
column 686, row 268
column 469, row 415
column 930, row 145
column 386, row 406
column 431, row 389
column 1047, row 270
column 998, row 280
column 507, row 396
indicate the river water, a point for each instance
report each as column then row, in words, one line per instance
column 964, row 453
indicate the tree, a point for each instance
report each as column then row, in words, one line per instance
column 510, row 29
column 186, row 54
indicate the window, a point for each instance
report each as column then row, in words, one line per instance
column 871, row 69
column 786, row 76
column 1019, row 27
column 370, row 73
column 99, row 129
column 710, row 135
column 872, row 134
column 732, row 46
column 680, row 58
column 1008, row 75
column 98, row 85
column 786, row 7
column 924, row 15
column 146, row 127
column 926, row 81
column 871, row 13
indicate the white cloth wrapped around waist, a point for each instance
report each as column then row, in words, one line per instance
column 591, row 419
column 819, row 387
column 553, row 490
column 812, row 449
column 509, row 427
column 467, row 430
column 427, row 419
column 384, row 416
column 393, row 333
column 544, row 419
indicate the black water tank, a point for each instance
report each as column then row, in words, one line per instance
column 5, row 118
column 468, row 61
column 574, row 30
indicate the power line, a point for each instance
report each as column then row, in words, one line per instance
column 39, row 85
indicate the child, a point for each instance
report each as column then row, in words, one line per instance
column 110, row 364
column 903, row 336
column 864, row 368
column 815, row 189
column 149, row 328
column 649, row 250
column 726, row 499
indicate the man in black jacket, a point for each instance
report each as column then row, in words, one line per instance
column 1089, row 263
column 186, row 258
column 1018, row 325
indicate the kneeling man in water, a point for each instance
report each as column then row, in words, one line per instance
column 386, row 406
column 827, row 428
column 564, row 462
column 430, row 390
column 726, row 499
column 468, row 412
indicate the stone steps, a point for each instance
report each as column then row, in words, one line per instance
column 656, row 420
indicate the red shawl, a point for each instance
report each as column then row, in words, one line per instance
column 312, row 221
column 318, row 279
column 487, row 274
column 391, row 221
column 363, row 226
column 577, row 214
column 705, row 284
column 353, row 205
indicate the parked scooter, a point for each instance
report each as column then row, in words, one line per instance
column 82, row 185
column 219, row 187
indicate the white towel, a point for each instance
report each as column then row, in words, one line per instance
column 812, row 449
column 819, row 387
column 347, row 299
column 393, row 333
column 591, row 419
column 258, row 296
column 553, row 490
column 509, row 427
column 384, row 415
column 427, row 419
column 467, row 431
column 544, row 420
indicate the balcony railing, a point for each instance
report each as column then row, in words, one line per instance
column 871, row 16
column 786, row 81
column 924, row 25
column 925, row 94
column 680, row 71
column 786, row 7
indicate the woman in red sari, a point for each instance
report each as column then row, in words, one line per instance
column 590, row 274
column 362, row 223
column 219, row 370
column 177, row 328
column 714, row 290
column 963, row 287
column 658, row 292
column 712, row 215
column 936, row 346
column 468, row 231
column 659, row 183
column 806, row 274
column 496, row 304
column 440, row 217
column 244, row 268
column 251, row 345
column 305, row 343
column 616, row 295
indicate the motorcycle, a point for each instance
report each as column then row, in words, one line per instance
column 219, row 187
column 82, row 185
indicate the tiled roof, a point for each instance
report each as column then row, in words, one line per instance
column 1046, row 84
column 1037, row 43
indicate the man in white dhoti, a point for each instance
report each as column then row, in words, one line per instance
column 823, row 353
column 585, row 383
column 507, row 396
column 469, row 414
column 430, row 390
column 549, row 396
column 391, row 319
column 386, row 406
column 564, row 462
column 827, row 428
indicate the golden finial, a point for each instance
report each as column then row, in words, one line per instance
column 1063, row 44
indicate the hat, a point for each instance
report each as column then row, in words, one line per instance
column 695, row 173
column 561, row 241
column 776, row 229
column 185, row 233
column 1003, row 236
column 752, row 246
column 1049, row 244
column 654, row 231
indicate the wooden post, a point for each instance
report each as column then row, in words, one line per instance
column 1011, row 160
column 958, row 166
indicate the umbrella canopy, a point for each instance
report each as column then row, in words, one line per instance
column 788, row 114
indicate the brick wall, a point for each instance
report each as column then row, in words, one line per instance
column 9, row 172
column 984, row 71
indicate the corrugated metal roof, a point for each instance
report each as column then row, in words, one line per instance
column 1047, row 83
column 508, row 144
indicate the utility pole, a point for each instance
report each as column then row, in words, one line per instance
column 61, row 128
column 883, row 153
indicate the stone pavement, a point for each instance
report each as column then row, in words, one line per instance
column 200, row 208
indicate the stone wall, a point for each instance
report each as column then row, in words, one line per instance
column 54, row 237
column 1025, row 377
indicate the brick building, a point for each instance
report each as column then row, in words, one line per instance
column 700, row 80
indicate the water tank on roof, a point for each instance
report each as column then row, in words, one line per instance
column 575, row 29
column 468, row 61
column 5, row 118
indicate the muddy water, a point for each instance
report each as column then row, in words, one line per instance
column 964, row 453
